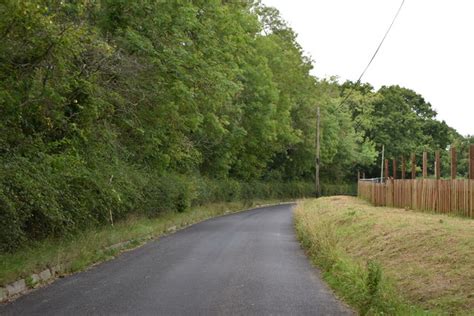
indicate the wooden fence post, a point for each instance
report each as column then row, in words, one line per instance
column 425, row 164
column 471, row 177
column 386, row 169
column 454, row 163
column 471, row 162
column 394, row 165
column 438, row 176
column 404, row 168
column 412, row 183
column 437, row 165
column 358, row 183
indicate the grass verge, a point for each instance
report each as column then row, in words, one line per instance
column 390, row 261
column 90, row 246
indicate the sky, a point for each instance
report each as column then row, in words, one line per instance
column 430, row 49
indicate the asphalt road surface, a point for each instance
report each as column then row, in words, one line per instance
column 248, row 263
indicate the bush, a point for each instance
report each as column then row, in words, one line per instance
column 11, row 234
column 338, row 189
column 169, row 193
column 58, row 194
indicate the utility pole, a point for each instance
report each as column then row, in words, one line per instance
column 318, row 135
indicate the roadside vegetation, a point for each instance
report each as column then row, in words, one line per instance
column 390, row 261
column 114, row 109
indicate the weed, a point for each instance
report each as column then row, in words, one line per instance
column 374, row 278
column 30, row 282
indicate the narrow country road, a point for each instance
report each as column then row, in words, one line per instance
column 248, row 263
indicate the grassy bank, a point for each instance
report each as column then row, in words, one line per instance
column 81, row 250
column 390, row 261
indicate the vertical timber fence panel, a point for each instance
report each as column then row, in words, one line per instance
column 471, row 198
column 455, row 196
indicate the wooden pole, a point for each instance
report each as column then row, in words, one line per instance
column 318, row 119
column 425, row 165
column 358, row 183
column 437, row 165
column 438, row 176
column 404, row 168
column 471, row 162
column 471, row 176
column 386, row 168
column 413, row 166
column 381, row 167
column 454, row 163
column 394, row 165
column 363, row 175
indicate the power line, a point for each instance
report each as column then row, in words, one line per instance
column 375, row 54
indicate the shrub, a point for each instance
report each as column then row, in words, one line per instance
column 374, row 278
column 169, row 193
column 54, row 195
column 11, row 234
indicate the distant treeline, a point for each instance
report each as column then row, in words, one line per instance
column 113, row 107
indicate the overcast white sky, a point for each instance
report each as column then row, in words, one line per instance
column 430, row 49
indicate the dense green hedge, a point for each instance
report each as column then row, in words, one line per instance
column 56, row 196
column 338, row 189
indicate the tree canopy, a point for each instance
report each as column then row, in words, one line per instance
column 104, row 103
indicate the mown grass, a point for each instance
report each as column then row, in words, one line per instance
column 390, row 261
column 90, row 246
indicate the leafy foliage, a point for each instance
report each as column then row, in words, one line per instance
column 400, row 119
column 114, row 107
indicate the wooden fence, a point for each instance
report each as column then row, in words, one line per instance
column 433, row 195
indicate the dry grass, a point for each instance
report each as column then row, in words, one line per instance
column 429, row 259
